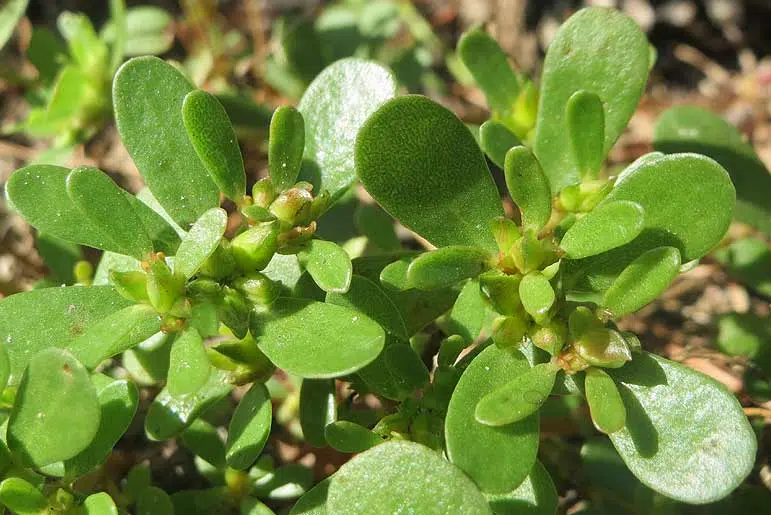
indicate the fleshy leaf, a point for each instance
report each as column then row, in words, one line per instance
column 686, row 436
column 605, row 404
column 693, row 129
column 249, row 428
column 203, row 440
column 55, row 392
column 189, row 367
column 329, row 265
column 335, row 106
column 314, row 502
column 490, row 67
column 537, row 295
column 36, row 320
column 498, row 459
column 469, row 312
column 367, row 297
column 605, row 227
column 318, row 408
column 115, row 333
column 517, row 399
column 585, row 120
column 21, row 497
column 154, row 501
column 105, row 204
column 340, row 340
column 350, row 437
column 148, row 95
column 118, row 401
column 214, row 140
column 406, row 368
column 286, row 146
column 528, row 186
column 100, row 504
column 394, row 275
column 446, row 266
column 200, row 242
column 401, row 475
column 571, row 65
column 495, row 140
column 535, row 496
column 421, row 163
column 642, row 281
column 377, row 226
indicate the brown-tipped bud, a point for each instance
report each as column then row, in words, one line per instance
column 253, row 249
column 257, row 288
column 130, row 285
column 551, row 337
column 263, row 192
column 509, row 331
column 603, row 347
column 293, row 206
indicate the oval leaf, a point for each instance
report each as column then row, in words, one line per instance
column 446, row 266
column 498, row 459
column 585, row 120
column 605, row 227
column 537, row 295
column 421, row 163
column 518, row 399
column 329, row 265
column 154, row 501
column 642, row 281
column 335, row 106
column 318, row 408
column 55, row 392
column 22, row 497
column 285, row 146
column 528, row 186
column 249, row 428
column 341, row 340
column 189, row 367
column 605, row 404
column 350, row 437
column 571, row 65
column 200, row 241
column 686, row 435
column 495, row 140
column 406, row 368
column 397, row 476
column 148, row 94
column 100, row 504
column 535, row 496
column 214, row 140
column 367, row 297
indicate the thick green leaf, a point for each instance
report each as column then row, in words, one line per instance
column 406, row 368
column 10, row 13
column 316, row 340
column 498, row 459
column 528, row 186
column 693, row 129
column 39, row 194
column 688, row 201
column 33, row 321
column 55, row 392
column 249, row 428
column 535, row 496
column 168, row 416
column 394, row 275
column 115, row 333
column 203, row 440
column 367, row 297
column 118, row 401
column 350, row 437
column 318, row 408
column 585, row 120
column 46, row 52
column 214, row 140
column 335, row 106
column 642, row 281
column 401, row 476
column 164, row 232
column 605, row 404
column 148, row 33
column 517, row 399
column 286, row 146
column 469, row 312
column 571, row 65
column 749, row 260
column 154, row 501
column 106, row 205
column 421, row 163
column 328, row 264
column 537, row 295
column 314, row 502
column 446, row 266
column 189, row 366
column 605, row 227
column 20, row 496
column 490, row 67
column 148, row 95
column 200, row 242
column 496, row 140
column 287, row 482
column 744, row 334
column 100, row 504
column 686, row 435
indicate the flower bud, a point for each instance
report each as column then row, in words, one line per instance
column 164, row 287
column 130, row 285
column 293, row 206
column 204, row 289
column 257, row 288
column 528, row 253
column 263, row 193
column 570, row 198
column 508, row 331
column 581, row 320
column 502, row 291
column 220, row 264
column 255, row 213
column 603, row 347
column 253, row 249
column 552, row 337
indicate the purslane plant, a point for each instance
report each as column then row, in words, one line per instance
column 524, row 306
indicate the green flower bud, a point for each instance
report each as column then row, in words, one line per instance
column 293, row 206
column 253, row 249
column 570, row 198
column 502, row 291
column 130, row 285
column 244, row 358
column 551, row 337
column 204, row 289
column 505, row 232
column 255, row 213
column 603, row 347
column 581, row 320
column 220, row 264
column 528, row 253
column 508, row 331
column 263, row 192
column 592, row 192
column 84, row 272
column 257, row 288
column 164, row 287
